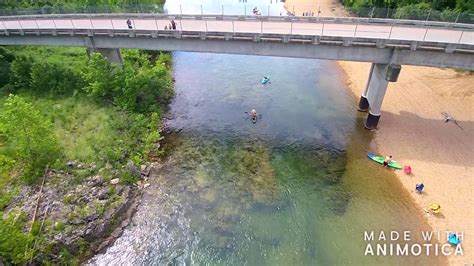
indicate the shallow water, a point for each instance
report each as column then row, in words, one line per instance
column 295, row 188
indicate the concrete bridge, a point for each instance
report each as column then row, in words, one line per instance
column 386, row 43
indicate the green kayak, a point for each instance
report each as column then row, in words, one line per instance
column 381, row 159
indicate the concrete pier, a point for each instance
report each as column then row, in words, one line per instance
column 113, row 55
column 373, row 95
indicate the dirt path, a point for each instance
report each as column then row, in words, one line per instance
column 412, row 129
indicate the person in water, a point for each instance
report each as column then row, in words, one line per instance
column 387, row 160
column 253, row 113
column 253, row 116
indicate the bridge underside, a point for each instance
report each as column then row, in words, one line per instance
column 387, row 55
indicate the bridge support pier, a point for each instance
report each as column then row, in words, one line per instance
column 372, row 96
column 113, row 55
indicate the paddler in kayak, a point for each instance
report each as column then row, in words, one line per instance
column 265, row 80
column 387, row 160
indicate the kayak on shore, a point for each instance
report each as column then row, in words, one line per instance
column 380, row 160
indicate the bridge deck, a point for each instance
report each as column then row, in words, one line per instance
column 267, row 26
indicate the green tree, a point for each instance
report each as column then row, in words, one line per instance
column 53, row 78
column 465, row 5
column 417, row 11
column 31, row 135
column 21, row 71
column 99, row 76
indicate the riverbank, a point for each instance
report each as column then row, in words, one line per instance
column 72, row 195
column 412, row 129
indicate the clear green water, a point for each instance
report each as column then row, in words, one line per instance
column 295, row 188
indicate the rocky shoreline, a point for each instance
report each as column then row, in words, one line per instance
column 79, row 220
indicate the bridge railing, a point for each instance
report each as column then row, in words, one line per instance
column 276, row 8
column 333, row 20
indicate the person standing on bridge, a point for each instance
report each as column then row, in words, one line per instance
column 129, row 24
column 173, row 24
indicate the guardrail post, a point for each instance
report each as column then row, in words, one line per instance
column 390, row 34
column 37, row 26
column 460, row 37
column 156, row 23
column 4, row 27
column 322, row 30
column 180, row 23
column 291, row 27
column 54, row 23
column 355, row 32
column 233, row 28
column 90, row 20
column 426, row 32
column 205, row 21
column 112, row 23
column 261, row 27
column 21, row 27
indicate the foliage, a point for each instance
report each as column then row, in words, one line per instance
column 107, row 115
column 32, row 136
column 12, row 4
column 137, row 86
column 414, row 11
column 15, row 246
column 21, row 69
column 6, row 197
column 6, row 58
column 99, row 75
column 53, row 78
column 459, row 10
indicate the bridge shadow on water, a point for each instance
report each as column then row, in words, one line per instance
column 427, row 138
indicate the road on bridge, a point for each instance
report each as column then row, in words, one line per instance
column 253, row 25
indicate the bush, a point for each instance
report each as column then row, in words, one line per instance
column 20, row 72
column 31, row 136
column 6, row 59
column 53, row 78
column 99, row 76
column 15, row 246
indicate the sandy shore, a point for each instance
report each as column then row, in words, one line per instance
column 412, row 130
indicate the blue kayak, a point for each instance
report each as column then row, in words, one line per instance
column 265, row 80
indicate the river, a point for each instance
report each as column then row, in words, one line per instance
column 295, row 188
